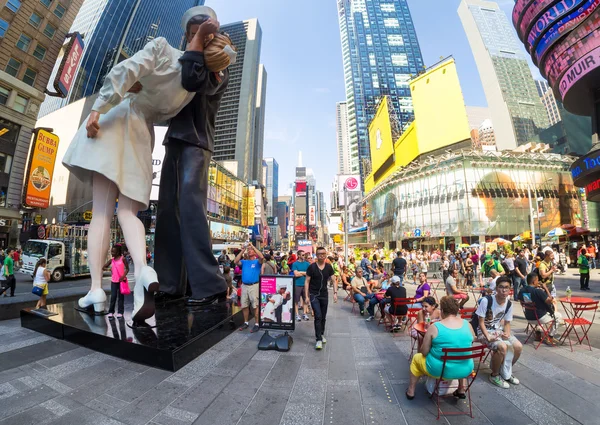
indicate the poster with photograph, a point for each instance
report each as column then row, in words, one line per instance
column 277, row 303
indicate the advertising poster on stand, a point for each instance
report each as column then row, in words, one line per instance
column 277, row 302
column 41, row 169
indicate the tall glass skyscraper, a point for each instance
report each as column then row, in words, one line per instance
column 515, row 106
column 114, row 30
column 380, row 52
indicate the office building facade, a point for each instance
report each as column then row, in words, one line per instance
column 380, row 54
column 259, row 120
column 272, row 185
column 114, row 30
column 236, row 127
column 31, row 35
column 549, row 101
column 516, row 109
column 347, row 154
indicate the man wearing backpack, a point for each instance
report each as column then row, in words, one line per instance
column 491, row 321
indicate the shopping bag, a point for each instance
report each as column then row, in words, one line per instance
column 38, row 290
column 125, row 287
column 445, row 388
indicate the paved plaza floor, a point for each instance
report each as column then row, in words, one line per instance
column 358, row 378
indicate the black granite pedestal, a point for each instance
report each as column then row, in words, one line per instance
column 178, row 333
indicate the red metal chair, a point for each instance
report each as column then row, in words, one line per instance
column 582, row 322
column 544, row 328
column 398, row 302
column 466, row 313
column 476, row 352
column 413, row 316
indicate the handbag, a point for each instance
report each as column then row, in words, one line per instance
column 124, row 287
column 37, row 290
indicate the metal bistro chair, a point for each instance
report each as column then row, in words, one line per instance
column 398, row 302
column 454, row 354
column 545, row 328
column 578, row 320
column 467, row 313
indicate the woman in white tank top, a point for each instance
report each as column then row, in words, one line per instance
column 41, row 277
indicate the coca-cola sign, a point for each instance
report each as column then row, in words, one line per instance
column 68, row 67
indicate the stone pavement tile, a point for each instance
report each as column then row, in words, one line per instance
column 103, row 408
column 112, row 401
column 358, row 327
column 283, row 373
column 302, row 414
column 85, row 416
column 191, row 373
column 238, row 358
column 266, row 408
column 17, row 336
column 72, row 366
column 109, row 383
column 247, row 383
column 570, row 403
column 24, row 400
column 343, row 404
column 10, row 374
column 67, row 356
column 140, row 384
column 8, row 389
column 550, row 356
column 85, row 376
column 384, row 414
column 197, row 398
column 225, row 409
column 375, row 387
column 33, row 353
column 341, row 360
column 173, row 416
column 316, row 359
column 310, row 386
column 37, row 415
column 23, row 342
column 364, row 348
column 146, row 407
column 61, row 405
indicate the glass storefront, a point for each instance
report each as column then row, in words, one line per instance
column 475, row 197
column 224, row 195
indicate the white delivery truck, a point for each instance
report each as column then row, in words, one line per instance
column 65, row 248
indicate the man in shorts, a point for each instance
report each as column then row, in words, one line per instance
column 494, row 331
column 452, row 290
column 250, row 278
column 547, row 270
column 299, row 268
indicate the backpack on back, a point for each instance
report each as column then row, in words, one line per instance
column 488, row 312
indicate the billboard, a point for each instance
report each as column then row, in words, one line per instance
column 300, row 223
column 380, row 136
column 300, row 188
column 69, row 65
column 349, row 188
column 41, row 168
column 312, row 215
column 277, row 302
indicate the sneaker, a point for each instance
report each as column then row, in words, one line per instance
column 305, row 317
column 298, row 319
column 362, row 312
column 243, row 327
column 255, row 328
column 323, row 340
column 513, row 380
column 119, row 316
column 319, row 345
column 499, row 382
column 552, row 341
column 370, row 318
column 110, row 315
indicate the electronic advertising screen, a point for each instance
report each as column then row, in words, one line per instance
column 277, row 302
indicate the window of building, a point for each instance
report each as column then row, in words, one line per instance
column 20, row 104
column 3, row 27
column 5, row 163
column 60, row 10
column 395, row 40
column 35, row 20
column 29, row 77
column 13, row 66
column 13, row 5
column 369, row 40
column 46, row 3
column 4, row 93
column 391, row 23
column 399, row 59
column 387, row 7
column 24, row 42
column 39, row 52
column 49, row 31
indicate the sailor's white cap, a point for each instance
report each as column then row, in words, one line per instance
column 195, row 11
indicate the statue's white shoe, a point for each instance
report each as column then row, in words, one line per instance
column 146, row 284
column 95, row 297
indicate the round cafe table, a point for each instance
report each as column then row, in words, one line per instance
column 572, row 314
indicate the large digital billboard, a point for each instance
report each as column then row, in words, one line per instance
column 562, row 38
column 380, row 136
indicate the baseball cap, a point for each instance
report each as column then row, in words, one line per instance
column 395, row 279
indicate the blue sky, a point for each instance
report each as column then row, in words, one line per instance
column 302, row 54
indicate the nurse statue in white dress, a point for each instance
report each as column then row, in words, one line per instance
column 114, row 150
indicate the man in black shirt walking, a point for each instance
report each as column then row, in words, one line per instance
column 519, row 277
column 399, row 265
column 315, row 289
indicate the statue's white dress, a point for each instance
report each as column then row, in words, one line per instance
column 122, row 150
